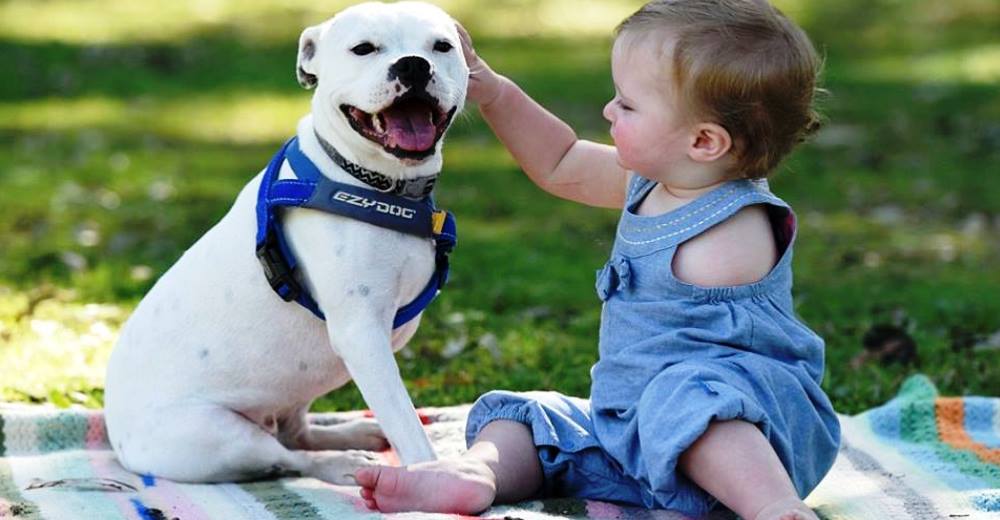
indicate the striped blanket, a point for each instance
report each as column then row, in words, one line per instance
column 920, row 456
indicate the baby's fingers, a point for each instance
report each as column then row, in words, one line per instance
column 467, row 49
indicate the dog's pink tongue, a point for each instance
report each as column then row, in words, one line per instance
column 410, row 127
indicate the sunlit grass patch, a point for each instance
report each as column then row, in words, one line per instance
column 976, row 65
column 233, row 117
column 561, row 18
column 124, row 21
column 54, row 348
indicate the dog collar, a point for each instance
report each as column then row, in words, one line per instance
column 311, row 189
column 410, row 188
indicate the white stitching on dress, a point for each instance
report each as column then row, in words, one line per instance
column 680, row 231
column 722, row 198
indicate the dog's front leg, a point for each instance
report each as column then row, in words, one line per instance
column 367, row 353
column 359, row 299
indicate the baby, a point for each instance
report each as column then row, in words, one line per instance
column 707, row 388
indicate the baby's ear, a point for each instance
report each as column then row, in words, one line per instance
column 305, row 69
column 709, row 142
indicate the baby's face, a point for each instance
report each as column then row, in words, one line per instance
column 649, row 129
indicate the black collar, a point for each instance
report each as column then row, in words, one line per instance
column 410, row 188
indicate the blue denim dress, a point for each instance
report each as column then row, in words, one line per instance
column 673, row 358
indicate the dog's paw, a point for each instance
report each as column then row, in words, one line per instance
column 359, row 434
column 338, row 467
column 365, row 434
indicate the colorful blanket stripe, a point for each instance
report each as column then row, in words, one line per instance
column 919, row 456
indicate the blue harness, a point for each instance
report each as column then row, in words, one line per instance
column 314, row 190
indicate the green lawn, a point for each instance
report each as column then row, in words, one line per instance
column 126, row 130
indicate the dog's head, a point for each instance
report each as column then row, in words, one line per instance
column 389, row 79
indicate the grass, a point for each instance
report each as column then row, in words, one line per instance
column 124, row 136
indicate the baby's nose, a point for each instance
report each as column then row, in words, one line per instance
column 607, row 112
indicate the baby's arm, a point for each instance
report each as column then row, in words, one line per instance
column 545, row 147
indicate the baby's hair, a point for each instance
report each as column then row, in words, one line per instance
column 743, row 65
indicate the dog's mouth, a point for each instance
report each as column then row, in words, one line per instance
column 409, row 128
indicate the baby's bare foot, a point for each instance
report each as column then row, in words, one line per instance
column 787, row 509
column 442, row 486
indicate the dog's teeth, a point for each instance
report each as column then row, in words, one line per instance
column 377, row 123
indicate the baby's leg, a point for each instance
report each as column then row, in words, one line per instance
column 733, row 462
column 501, row 466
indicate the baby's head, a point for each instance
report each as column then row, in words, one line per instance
column 739, row 64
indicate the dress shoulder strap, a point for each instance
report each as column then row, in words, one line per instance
column 639, row 235
column 637, row 188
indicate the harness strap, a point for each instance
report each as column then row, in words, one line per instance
column 313, row 190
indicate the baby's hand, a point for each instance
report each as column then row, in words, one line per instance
column 484, row 84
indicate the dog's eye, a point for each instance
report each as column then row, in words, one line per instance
column 363, row 49
column 443, row 46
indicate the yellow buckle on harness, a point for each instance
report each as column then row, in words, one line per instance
column 437, row 221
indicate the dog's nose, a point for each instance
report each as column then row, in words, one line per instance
column 411, row 71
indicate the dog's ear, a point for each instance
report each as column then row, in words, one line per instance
column 305, row 69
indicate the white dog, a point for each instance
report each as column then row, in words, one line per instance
column 214, row 373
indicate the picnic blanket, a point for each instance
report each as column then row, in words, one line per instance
column 919, row 456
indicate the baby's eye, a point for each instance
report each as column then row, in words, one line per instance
column 624, row 106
